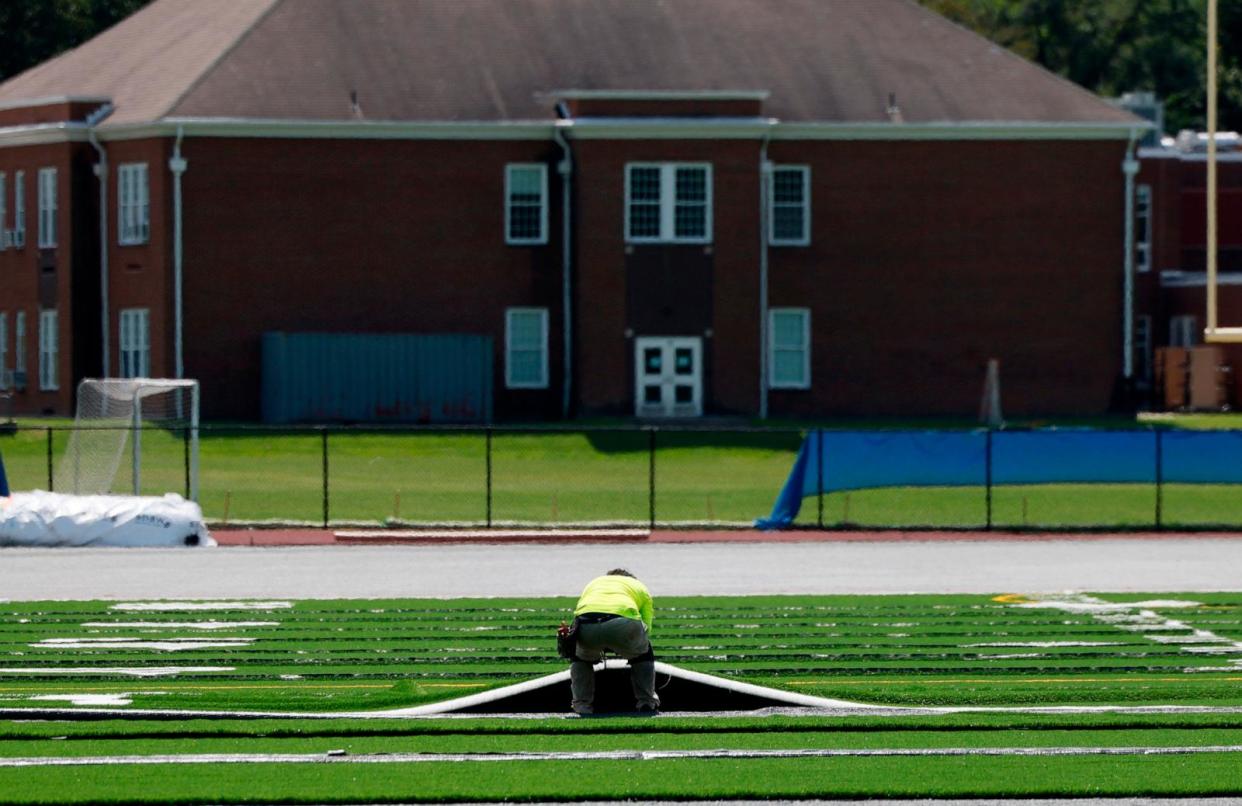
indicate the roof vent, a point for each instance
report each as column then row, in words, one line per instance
column 893, row 110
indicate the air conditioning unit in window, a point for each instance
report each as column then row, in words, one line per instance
column 19, row 380
column 6, row 379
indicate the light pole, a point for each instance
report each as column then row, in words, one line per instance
column 1211, row 333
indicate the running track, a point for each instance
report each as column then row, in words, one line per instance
column 312, row 564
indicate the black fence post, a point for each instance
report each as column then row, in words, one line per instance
column 987, row 478
column 488, row 461
column 651, row 479
column 323, row 438
column 1159, row 479
column 819, row 465
column 50, row 484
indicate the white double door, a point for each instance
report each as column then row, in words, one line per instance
column 669, row 376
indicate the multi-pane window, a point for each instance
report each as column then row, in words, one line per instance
column 526, row 204
column 19, row 209
column 790, row 218
column 1183, row 331
column 133, row 204
column 526, row 348
column 668, row 203
column 4, row 350
column 5, row 238
column 47, row 208
column 19, row 345
column 1142, row 228
column 789, row 348
column 135, row 343
column 49, row 350
column 1142, row 348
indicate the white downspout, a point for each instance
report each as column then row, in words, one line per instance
column 177, row 164
column 765, row 180
column 1130, row 167
column 101, row 173
column 566, row 169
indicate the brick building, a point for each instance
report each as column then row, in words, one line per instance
column 685, row 208
column 1171, row 249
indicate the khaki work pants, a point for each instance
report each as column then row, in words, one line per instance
column 625, row 638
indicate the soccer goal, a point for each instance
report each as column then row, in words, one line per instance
column 157, row 418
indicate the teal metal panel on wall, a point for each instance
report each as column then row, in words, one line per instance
column 381, row 377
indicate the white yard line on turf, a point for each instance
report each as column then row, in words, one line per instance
column 1142, row 618
column 164, row 645
column 180, row 625
column 139, row 671
column 180, row 606
column 332, row 757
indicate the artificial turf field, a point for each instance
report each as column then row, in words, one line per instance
column 994, row 657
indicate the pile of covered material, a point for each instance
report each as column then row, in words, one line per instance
column 51, row 519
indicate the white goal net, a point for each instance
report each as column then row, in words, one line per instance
column 134, row 436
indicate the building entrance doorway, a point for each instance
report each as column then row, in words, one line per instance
column 668, row 376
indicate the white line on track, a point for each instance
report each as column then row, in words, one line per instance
column 615, row 755
column 492, row 534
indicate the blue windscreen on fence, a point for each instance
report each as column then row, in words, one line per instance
column 834, row 461
column 4, row 481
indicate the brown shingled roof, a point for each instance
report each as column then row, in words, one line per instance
column 146, row 63
column 480, row 60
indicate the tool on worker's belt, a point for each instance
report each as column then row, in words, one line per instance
column 567, row 640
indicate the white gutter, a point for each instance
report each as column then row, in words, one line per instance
column 177, row 164
column 101, row 173
column 566, row 169
column 658, row 95
column 1130, row 167
column 765, row 180
column 584, row 128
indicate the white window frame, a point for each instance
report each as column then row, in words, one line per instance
column 669, row 202
column 4, row 350
column 1142, row 347
column 134, row 340
column 19, row 209
column 542, row 381
column 542, row 237
column 19, row 342
column 49, row 350
column 133, row 204
column 804, row 348
column 4, row 211
column 805, row 205
column 47, row 208
column 1183, row 331
column 1143, row 216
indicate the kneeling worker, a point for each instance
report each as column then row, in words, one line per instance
column 614, row 615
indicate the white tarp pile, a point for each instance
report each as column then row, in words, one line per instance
column 52, row 519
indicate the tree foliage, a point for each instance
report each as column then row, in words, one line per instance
column 1107, row 46
column 1115, row 46
column 33, row 31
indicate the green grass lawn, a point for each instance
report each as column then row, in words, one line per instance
column 549, row 477
column 333, row 656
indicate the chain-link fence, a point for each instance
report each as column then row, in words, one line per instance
column 588, row 476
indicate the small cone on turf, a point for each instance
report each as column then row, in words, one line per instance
column 990, row 405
